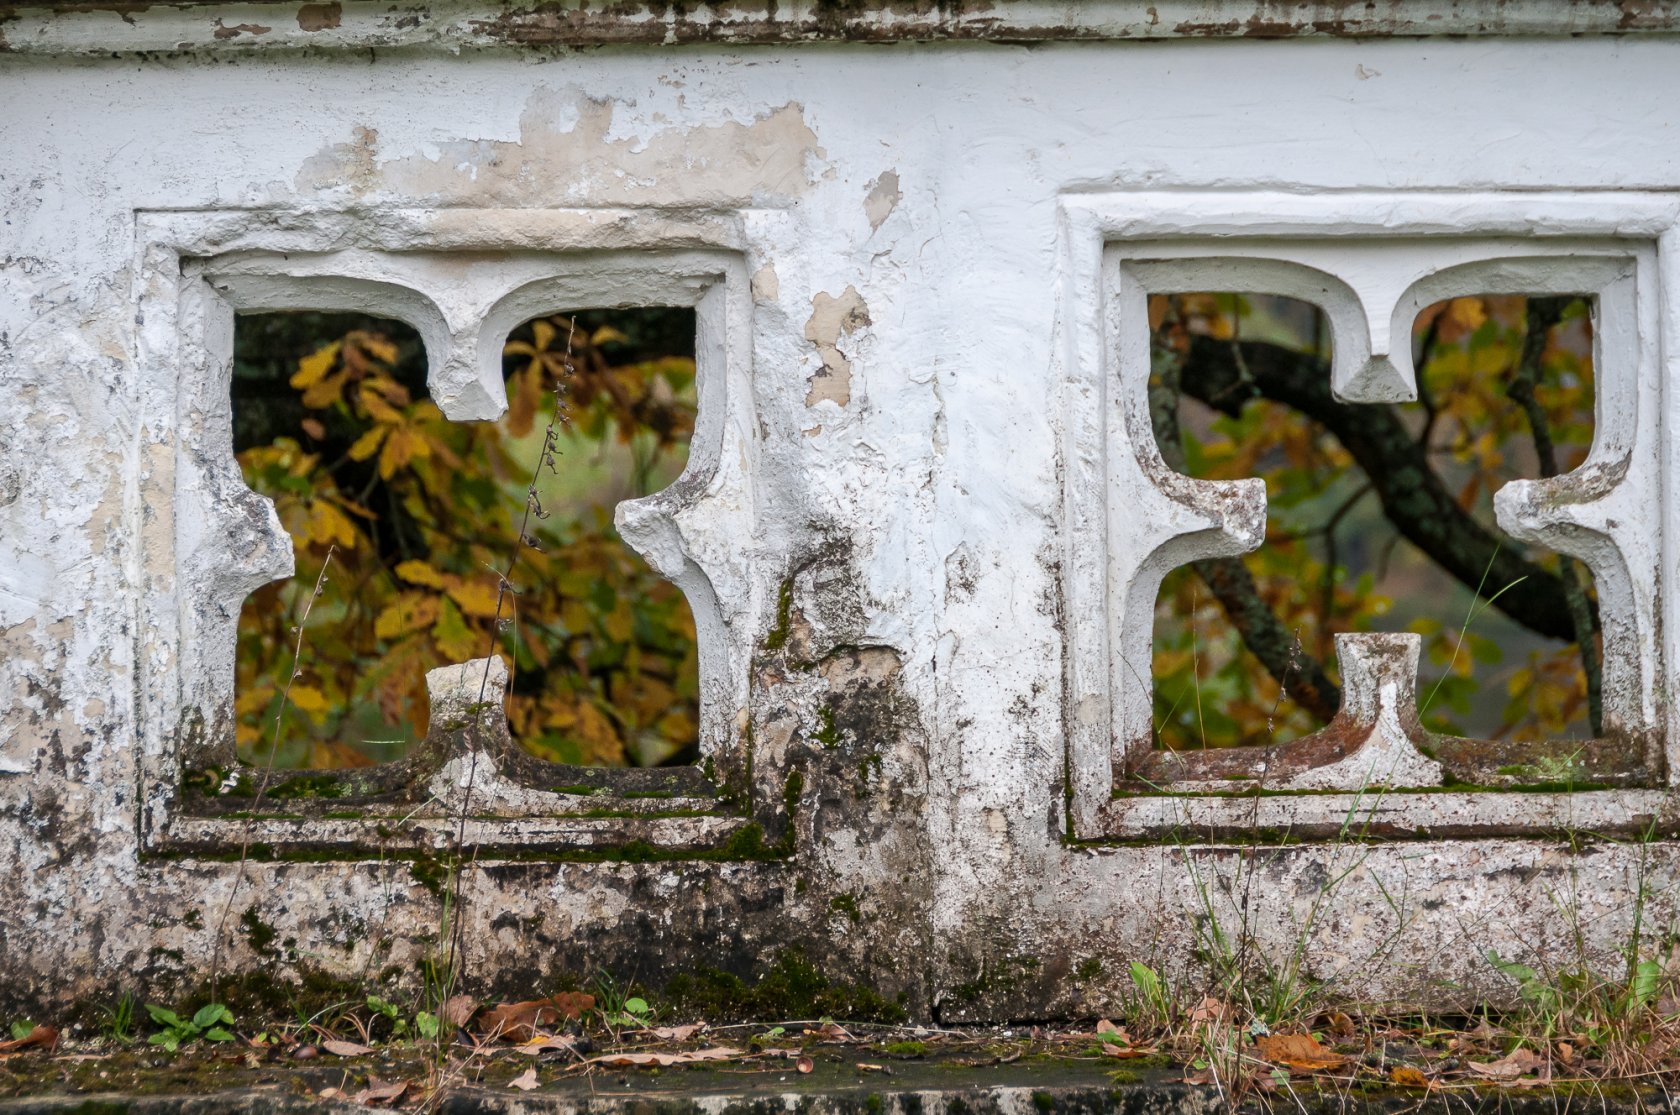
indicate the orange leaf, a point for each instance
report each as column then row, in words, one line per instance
column 1298, row 1051
column 1408, row 1077
column 518, row 1021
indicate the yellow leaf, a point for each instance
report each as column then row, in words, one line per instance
column 376, row 407
column 308, row 698
column 619, row 623
column 452, row 635
column 368, row 444
column 317, row 364
column 326, row 392
column 542, row 332
column 400, row 448
column 417, row 572
column 409, row 612
column 380, row 348
column 476, row 598
column 1467, row 313
column 328, row 524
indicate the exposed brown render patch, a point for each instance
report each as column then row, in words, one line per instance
column 590, row 161
column 320, row 17
column 224, row 32
column 883, row 197
column 766, row 287
column 831, row 319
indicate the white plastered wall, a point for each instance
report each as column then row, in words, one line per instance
column 926, row 185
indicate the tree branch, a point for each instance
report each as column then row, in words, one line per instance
column 1299, row 674
column 1542, row 314
column 1413, row 496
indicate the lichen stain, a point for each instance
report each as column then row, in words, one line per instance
column 595, row 160
column 883, row 197
column 832, row 318
column 320, row 17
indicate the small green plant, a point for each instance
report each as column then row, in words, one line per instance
column 617, row 1006
column 1152, row 1004
column 392, row 1015
column 426, row 1025
column 635, row 1012
column 210, row 1023
column 22, row 1029
column 119, row 1018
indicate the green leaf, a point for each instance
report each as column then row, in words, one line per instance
column 163, row 1016
column 426, row 1024
column 1647, row 981
column 636, row 1006
column 1522, row 973
column 216, row 1033
column 210, row 1014
column 22, row 1029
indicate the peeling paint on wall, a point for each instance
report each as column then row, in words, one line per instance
column 833, row 318
column 573, row 147
column 883, row 197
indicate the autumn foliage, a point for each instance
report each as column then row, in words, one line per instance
column 1337, row 558
column 422, row 513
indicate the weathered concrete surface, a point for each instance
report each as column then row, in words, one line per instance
column 93, row 27
column 876, row 532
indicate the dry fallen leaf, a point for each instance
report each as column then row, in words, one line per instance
column 1104, row 1026
column 865, row 1066
column 664, row 1060
column 1509, row 1067
column 346, row 1048
column 1111, row 1050
column 1340, row 1024
column 40, row 1036
column 526, row 1080
column 1408, row 1077
column 1298, row 1051
column 378, row 1092
column 676, row 1033
column 545, row 1044
column 458, row 1011
column 831, row 1032
column 1210, row 1010
column 518, row 1021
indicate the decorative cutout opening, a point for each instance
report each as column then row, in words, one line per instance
column 1380, row 518
column 421, row 516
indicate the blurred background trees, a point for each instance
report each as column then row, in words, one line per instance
column 333, row 421
column 1380, row 518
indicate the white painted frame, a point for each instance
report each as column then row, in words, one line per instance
column 1372, row 261
column 463, row 280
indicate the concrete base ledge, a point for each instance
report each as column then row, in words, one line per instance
column 1047, row 1089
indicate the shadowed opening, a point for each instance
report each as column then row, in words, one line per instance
column 421, row 515
column 1380, row 518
